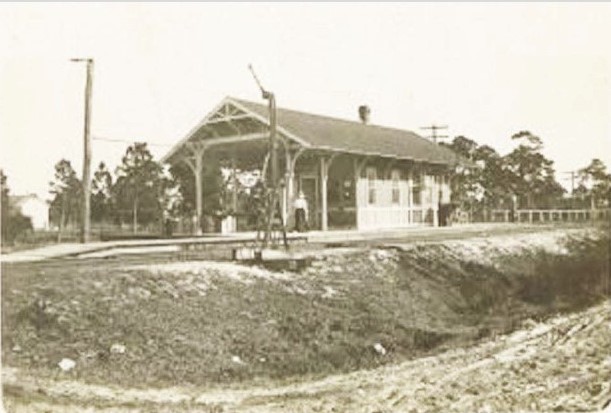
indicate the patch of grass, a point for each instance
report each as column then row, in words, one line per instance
column 574, row 280
column 412, row 303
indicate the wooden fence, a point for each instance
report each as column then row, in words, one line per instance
column 549, row 215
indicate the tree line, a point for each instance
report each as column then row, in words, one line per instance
column 141, row 191
column 523, row 178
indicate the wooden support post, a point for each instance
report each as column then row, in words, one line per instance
column 290, row 179
column 234, row 195
column 196, row 163
column 288, row 186
column 199, row 202
column 324, row 175
column 410, row 197
column 435, row 199
column 358, row 164
column 234, row 184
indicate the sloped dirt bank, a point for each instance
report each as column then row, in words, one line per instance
column 219, row 324
column 559, row 365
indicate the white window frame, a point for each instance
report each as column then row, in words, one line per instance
column 372, row 177
column 417, row 184
column 395, row 196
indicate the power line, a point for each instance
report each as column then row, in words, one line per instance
column 434, row 128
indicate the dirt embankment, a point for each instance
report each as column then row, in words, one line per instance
column 559, row 365
column 216, row 324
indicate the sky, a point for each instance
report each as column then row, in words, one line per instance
column 486, row 70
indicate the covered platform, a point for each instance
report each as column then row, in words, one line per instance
column 354, row 175
column 299, row 242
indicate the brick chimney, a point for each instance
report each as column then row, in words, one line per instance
column 364, row 114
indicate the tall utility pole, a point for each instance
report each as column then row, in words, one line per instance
column 434, row 128
column 573, row 176
column 86, row 218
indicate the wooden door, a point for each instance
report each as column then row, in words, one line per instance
column 309, row 186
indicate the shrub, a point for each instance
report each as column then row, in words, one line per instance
column 15, row 225
column 577, row 278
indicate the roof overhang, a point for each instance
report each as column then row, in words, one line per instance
column 229, row 123
column 233, row 122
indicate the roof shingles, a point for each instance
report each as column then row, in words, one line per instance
column 348, row 136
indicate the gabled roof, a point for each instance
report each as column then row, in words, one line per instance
column 323, row 132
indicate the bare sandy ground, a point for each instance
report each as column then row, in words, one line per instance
column 562, row 364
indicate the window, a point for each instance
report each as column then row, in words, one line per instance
column 341, row 192
column 372, row 176
column 417, row 189
column 437, row 188
column 395, row 176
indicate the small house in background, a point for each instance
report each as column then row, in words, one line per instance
column 354, row 174
column 34, row 207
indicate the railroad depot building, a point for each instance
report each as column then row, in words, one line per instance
column 354, row 175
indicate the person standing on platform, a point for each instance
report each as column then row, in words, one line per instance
column 301, row 212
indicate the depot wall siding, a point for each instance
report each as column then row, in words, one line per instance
column 383, row 213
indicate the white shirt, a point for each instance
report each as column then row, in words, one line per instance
column 301, row 203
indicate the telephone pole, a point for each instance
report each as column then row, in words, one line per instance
column 86, row 218
column 434, row 128
column 573, row 176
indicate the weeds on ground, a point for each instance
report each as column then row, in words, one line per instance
column 202, row 326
